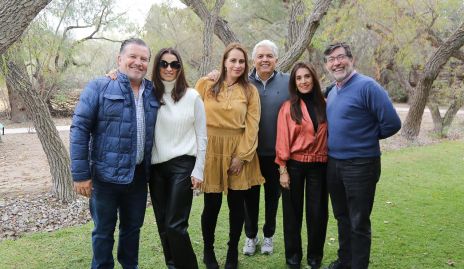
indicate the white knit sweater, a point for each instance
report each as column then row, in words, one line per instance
column 181, row 129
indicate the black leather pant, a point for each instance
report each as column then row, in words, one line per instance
column 307, row 184
column 171, row 196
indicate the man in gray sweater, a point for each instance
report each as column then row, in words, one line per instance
column 273, row 91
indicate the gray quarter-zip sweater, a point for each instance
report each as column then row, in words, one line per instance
column 272, row 95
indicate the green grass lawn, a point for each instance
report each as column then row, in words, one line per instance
column 417, row 222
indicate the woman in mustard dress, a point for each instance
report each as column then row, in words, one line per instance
column 232, row 117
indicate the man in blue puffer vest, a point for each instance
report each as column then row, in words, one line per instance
column 111, row 141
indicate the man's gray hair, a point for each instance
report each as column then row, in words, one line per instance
column 266, row 43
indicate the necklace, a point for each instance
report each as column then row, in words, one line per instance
column 228, row 86
column 228, row 94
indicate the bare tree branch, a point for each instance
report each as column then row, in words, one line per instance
column 263, row 18
column 101, row 20
column 205, row 65
column 311, row 24
column 221, row 28
column 436, row 41
column 63, row 14
column 295, row 22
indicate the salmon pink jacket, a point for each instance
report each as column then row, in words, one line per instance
column 299, row 142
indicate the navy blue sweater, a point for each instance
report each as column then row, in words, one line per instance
column 358, row 115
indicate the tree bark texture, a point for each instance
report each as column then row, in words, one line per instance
column 221, row 27
column 205, row 65
column 436, row 118
column 419, row 96
column 57, row 155
column 304, row 39
column 295, row 23
column 441, row 124
column 436, row 41
column 17, row 107
column 15, row 17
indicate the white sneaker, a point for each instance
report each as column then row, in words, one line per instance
column 268, row 245
column 250, row 246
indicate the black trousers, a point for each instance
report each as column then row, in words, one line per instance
column 307, row 184
column 271, row 200
column 171, row 196
column 212, row 205
column 351, row 185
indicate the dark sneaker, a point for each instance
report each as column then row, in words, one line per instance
column 338, row 265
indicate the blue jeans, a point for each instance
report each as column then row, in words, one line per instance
column 106, row 201
column 351, row 184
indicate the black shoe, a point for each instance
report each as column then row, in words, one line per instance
column 232, row 258
column 314, row 264
column 209, row 259
column 338, row 265
column 293, row 266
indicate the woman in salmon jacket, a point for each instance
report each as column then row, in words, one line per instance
column 301, row 153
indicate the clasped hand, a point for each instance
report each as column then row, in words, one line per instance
column 83, row 188
column 236, row 166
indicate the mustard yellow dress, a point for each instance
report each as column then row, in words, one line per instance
column 232, row 122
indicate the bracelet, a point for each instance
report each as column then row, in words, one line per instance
column 282, row 170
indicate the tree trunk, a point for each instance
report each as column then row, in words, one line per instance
column 419, row 96
column 441, row 124
column 304, row 39
column 15, row 16
column 205, row 65
column 295, row 23
column 17, row 107
column 456, row 104
column 57, row 155
column 221, row 28
column 436, row 118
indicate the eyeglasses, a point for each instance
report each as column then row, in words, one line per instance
column 339, row 58
column 174, row 64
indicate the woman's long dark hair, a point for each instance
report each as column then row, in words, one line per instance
column 242, row 80
column 181, row 83
column 295, row 99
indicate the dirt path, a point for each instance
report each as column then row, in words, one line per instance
column 24, row 168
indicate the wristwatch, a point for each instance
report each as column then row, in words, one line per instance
column 282, row 170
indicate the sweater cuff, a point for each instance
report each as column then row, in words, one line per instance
column 197, row 173
column 78, row 177
column 280, row 162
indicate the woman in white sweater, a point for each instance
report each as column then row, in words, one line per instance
column 178, row 157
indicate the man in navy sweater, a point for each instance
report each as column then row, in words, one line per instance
column 359, row 113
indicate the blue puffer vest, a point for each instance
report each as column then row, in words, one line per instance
column 103, row 136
